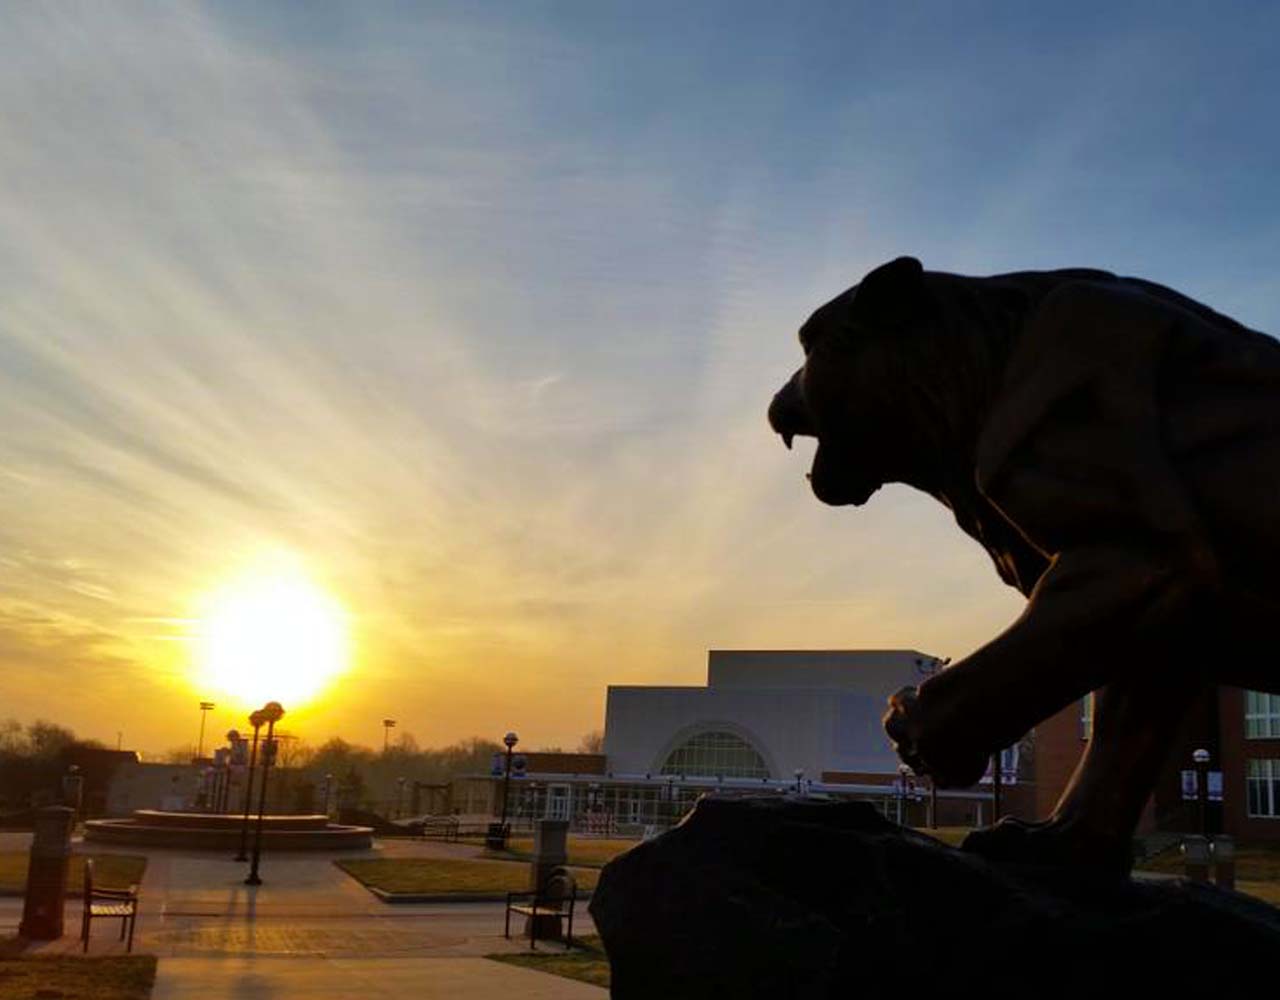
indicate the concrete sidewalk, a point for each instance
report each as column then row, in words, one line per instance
column 310, row 930
column 261, row 978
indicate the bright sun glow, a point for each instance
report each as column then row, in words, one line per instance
column 272, row 636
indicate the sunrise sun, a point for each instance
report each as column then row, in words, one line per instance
column 271, row 635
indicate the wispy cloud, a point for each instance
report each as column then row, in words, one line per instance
column 480, row 316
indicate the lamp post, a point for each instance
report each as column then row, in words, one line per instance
column 204, row 711
column 273, row 713
column 235, row 759
column 387, row 726
column 903, row 772
column 256, row 720
column 799, row 774
column 219, row 772
column 399, row 796
column 1201, row 759
column 997, row 777
column 510, row 741
column 73, row 790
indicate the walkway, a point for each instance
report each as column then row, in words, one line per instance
column 310, row 930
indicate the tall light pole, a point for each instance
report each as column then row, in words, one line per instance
column 510, row 740
column 256, row 719
column 1201, row 760
column 387, row 726
column 273, row 712
column 204, row 711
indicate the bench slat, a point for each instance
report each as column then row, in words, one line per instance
column 111, row 909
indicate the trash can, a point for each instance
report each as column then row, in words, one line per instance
column 496, row 838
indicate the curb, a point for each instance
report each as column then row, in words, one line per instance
column 448, row 897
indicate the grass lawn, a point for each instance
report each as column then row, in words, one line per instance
column 116, row 977
column 950, row 835
column 115, row 871
column 586, row 962
column 1257, row 870
column 447, row 875
column 585, row 852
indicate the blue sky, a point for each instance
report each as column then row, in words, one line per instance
column 476, row 309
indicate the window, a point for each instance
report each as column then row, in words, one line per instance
column 1086, row 717
column 1261, row 715
column 717, row 754
column 1262, row 780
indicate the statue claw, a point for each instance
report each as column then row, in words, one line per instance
column 906, row 723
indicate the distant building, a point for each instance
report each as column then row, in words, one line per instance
column 765, row 714
column 1241, row 731
column 767, row 722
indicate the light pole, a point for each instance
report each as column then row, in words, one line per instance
column 1201, row 759
column 273, row 712
column 903, row 771
column 387, row 726
column 997, row 787
column 399, row 796
column 510, row 741
column 219, row 772
column 204, row 711
column 256, row 720
column 235, row 759
column 799, row 780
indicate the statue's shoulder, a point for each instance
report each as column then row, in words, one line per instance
column 1094, row 368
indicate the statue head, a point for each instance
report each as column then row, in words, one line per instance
column 857, row 392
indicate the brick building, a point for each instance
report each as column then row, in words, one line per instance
column 1241, row 731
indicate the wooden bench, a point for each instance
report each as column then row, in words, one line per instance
column 450, row 828
column 112, row 904
column 553, row 902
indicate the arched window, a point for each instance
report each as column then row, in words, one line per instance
column 716, row 753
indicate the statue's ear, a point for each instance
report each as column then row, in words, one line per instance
column 892, row 293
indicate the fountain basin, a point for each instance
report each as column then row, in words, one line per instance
column 221, row 831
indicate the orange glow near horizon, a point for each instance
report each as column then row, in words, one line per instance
column 271, row 635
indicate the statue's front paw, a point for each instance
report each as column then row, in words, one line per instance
column 924, row 750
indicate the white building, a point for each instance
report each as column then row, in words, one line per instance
column 767, row 722
column 765, row 714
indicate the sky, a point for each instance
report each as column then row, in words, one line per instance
column 471, row 313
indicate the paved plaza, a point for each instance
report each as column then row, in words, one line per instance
column 309, row 931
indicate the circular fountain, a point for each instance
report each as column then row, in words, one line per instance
column 221, row 831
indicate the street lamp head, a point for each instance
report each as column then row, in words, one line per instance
column 272, row 711
column 799, row 772
column 1201, row 756
column 207, row 705
column 511, row 739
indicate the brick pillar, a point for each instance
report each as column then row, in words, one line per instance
column 1224, row 861
column 1195, row 857
column 550, row 850
column 47, row 874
